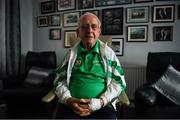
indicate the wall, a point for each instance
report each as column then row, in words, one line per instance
column 26, row 25
column 26, row 19
column 134, row 52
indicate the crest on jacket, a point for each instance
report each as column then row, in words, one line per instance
column 78, row 62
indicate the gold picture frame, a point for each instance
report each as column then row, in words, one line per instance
column 70, row 38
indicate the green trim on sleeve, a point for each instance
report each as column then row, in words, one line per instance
column 61, row 70
column 118, row 79
column 61, row 74
column 114, row 64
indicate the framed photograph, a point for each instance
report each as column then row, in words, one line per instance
column 137, row 14
column 47, row 7
column 112, row 21
column 118, row 46
column 70, row 38
column 55, row 20
column 101, row 3
column 70, row 19
column 42, row 21
column 142, row 1
column 137, row 33
column 66, row 5
column 163, row 33
column 83, row 4
column 55, row 34
column 178, row 12
column 163, row 13
column 96, row 12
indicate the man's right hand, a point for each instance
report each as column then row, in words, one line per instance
column 79, row 106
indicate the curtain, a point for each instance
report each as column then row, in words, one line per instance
column 12, row 41
column 2, row 39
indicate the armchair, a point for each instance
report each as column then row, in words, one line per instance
column 51, row 99
column 23, row 93
column 149, row 102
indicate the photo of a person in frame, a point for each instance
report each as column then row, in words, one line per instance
column 163, row 34
column 163, row 13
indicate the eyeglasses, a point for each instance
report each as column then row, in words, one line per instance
column 87, row 26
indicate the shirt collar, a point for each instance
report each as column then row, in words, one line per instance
column 95, row 49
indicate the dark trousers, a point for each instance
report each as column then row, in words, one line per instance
column 65, row 112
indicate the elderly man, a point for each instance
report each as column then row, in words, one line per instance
column 90, row 77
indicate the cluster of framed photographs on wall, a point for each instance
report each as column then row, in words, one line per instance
column 160, row 14
column 49, row 20
column 112, row 19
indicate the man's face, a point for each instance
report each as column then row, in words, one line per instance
column 89, row 30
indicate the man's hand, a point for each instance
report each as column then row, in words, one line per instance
column 79, row 106
column 96, row 104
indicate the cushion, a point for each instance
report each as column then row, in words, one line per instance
column 37, row 76
column 169, row 84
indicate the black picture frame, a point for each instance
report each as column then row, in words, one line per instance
column 163, row 13
column 42, row 21
column 178, row 12
column 137, row 33
column 47, row 7
column 102, row 3
column 117, row 46
column 55, row 34
column 85, row 4
column 163, row 33
column 55, row 20
column 112, row 21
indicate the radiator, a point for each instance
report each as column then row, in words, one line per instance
column 134, row 76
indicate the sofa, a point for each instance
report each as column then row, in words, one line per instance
column 23, row 93
column 159, row 97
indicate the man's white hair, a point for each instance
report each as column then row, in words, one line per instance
column 89, row 14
